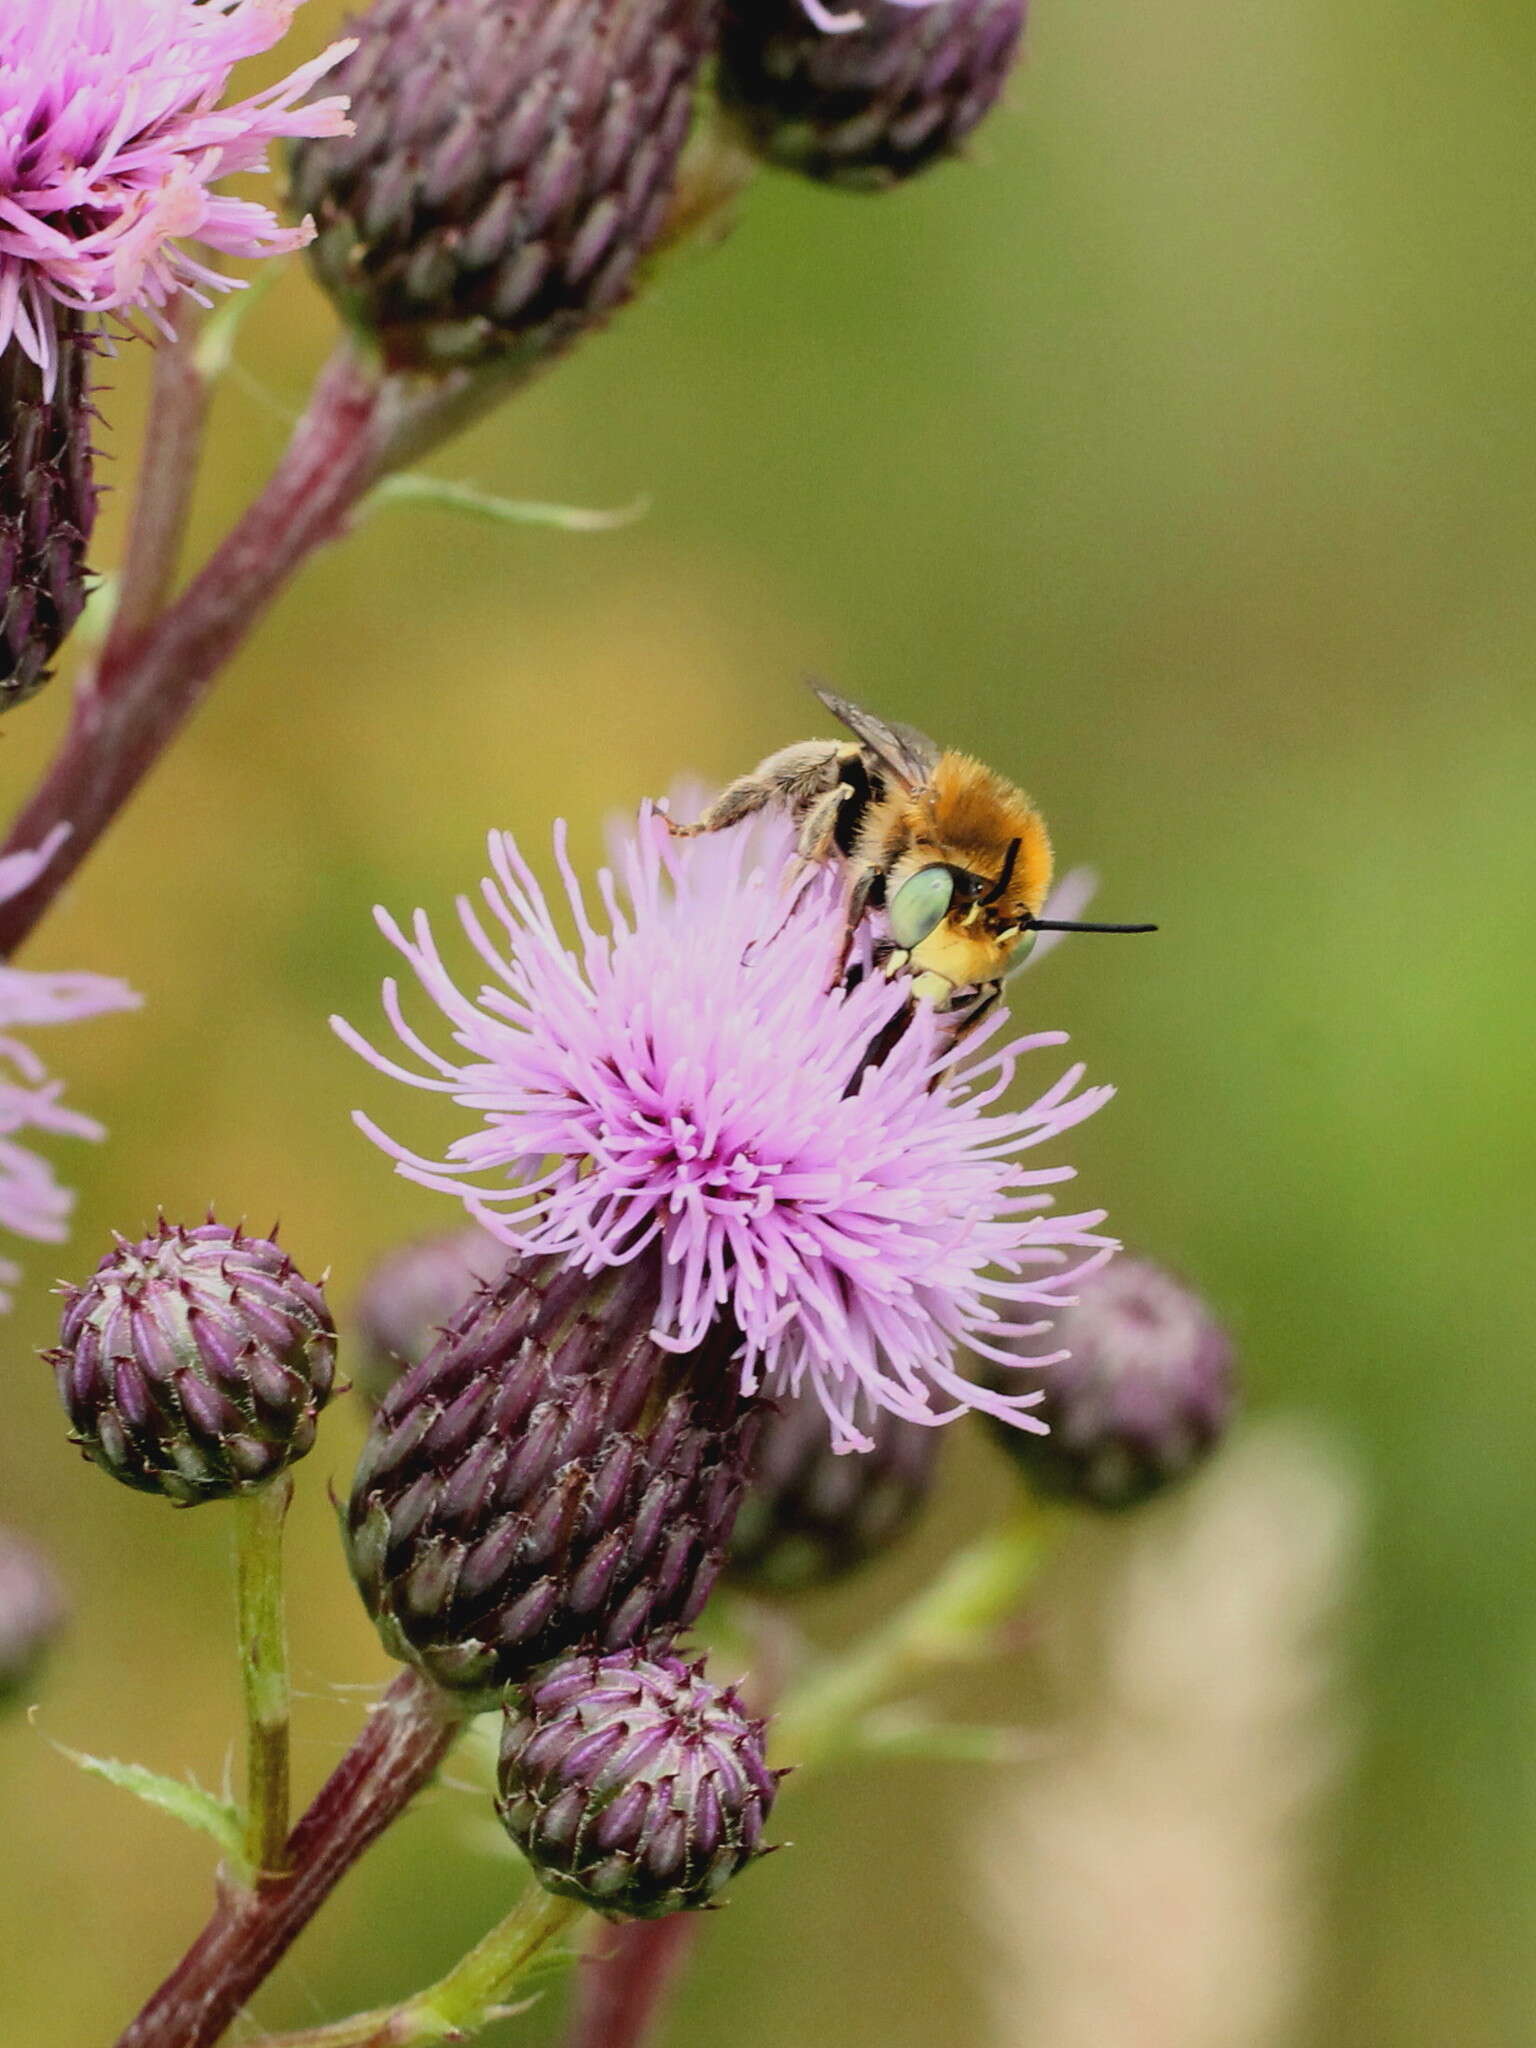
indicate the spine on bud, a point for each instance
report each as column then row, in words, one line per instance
column 512, row 164
column 548, row 1479
column 47, row 507
column 874, row 105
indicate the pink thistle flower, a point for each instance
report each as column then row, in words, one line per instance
column 32, row 1202
column 111, row 140
column 690, row 1074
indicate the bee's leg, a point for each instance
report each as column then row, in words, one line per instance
column 740, row 799
column 858, row 903
column 818, row 828
column 985, row 1002
column 798, row 777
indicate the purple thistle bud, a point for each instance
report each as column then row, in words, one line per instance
column 196, row 1363
column 407, row 1298
column 32, row 1614
column 548, row 1479
column 513, row 163
column 876, row 104
column 1146, row 1391
column 47, row 505
column 811, row 1517
column 633, row 1784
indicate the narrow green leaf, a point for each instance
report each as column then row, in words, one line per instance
column 215, row 350
column 898, row 1732
column 187, row 1803
column 412, row 487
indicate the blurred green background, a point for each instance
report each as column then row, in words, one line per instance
column 1176, row 453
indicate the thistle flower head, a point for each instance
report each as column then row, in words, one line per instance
column 1144, row 1394
column 512, row 166
column 896, row 86
column 546, row 1480
column 32, row 1202
column 112, row 143
column 195, row 1363
column 634, row 1784
column 693, row 1075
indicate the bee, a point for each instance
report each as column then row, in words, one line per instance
column 956, row 856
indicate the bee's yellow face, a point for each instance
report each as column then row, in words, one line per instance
column 946, row 936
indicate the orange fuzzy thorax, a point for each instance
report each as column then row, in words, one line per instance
column 973, row 814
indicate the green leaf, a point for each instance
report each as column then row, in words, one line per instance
column 412, row 487
column 188, row 1803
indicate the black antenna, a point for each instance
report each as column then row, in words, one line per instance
column 1010, row 861
column 1051, row 924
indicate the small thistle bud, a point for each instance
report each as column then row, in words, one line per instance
column 47, row 507
column 512, row 164
column 32, row 1613
column 196, row 1363
column 1146, row 1393
column 812, row 1516
column 872, row 106
column 407, row 1298
column 633, row 1784
column 548, row 1479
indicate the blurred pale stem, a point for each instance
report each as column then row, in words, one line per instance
column 167, row 479
column 951, row 1621
column 625, row 1977
column 264, row 1671
column 474, row 1992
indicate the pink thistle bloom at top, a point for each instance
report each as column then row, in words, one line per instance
column 686, row 1075
column 32, row 1202
column 111, row 141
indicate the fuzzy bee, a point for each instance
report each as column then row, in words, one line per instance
column 958, row 858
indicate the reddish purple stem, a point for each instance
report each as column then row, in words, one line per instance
column 145, row 690
column 625, row 1980
column 407, row 1737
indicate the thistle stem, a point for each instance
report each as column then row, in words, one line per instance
column 398, row 1752
column 948, row 1622
column 259, row 1519
column 358, row 426
column 626, row 1977
column 173, row 439
column 474, row 1992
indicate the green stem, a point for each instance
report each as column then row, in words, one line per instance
column 948, row 1622
column 474, row 1992
column 264, row 1671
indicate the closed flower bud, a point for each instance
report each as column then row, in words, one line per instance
column 512, row 163
column 548, row 1479
column 47, row 507
column 872, row 106
column 409, row 1295
column 1146, row 1393
column 32, row 1612
column 812, row 1515
column 196, row 1363
column 633, row 1784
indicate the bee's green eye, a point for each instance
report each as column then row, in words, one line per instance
column 920, row 906
column 1021, row 952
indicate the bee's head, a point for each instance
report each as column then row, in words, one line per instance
column 959, row 929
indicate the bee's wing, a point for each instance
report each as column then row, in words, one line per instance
column 909, row 754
